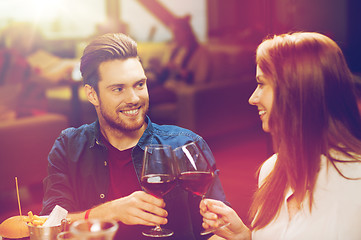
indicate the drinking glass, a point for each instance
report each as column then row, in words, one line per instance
column 94, row 229
column 66, row 236
column 195, row 173
column 158, row 178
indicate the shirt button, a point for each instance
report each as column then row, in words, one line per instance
column 105, row 163
column 102, row 196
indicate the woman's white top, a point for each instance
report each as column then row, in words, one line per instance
column 336, row 209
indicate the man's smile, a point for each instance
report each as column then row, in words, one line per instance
column 131, row 112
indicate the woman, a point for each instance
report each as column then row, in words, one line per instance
column 310, row 189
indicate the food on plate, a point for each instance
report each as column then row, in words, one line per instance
column 17, row 226
column 14, row 227
column 34, row 220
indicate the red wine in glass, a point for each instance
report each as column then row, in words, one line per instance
column 195, row 173
column 196, row 182
column 158, row 184
column 158, row 178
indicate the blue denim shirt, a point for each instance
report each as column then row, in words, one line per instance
column 78, row 174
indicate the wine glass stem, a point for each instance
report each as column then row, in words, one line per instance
column 157, row 228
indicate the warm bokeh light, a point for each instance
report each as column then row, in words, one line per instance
column 80, row 18
column 37, row 10
column 140, row 21
column 55, row 18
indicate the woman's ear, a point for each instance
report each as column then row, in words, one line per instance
column 91, row 95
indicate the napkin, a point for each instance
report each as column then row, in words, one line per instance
column 56, row 216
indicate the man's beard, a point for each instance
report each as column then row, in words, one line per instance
column 122, row 125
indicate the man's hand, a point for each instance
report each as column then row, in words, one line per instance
column 138, row 208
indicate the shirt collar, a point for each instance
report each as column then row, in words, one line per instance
column 147, row 135
column 143, row 141
column 97, row 135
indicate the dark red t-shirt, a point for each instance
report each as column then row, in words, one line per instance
column 123, row 179
column 123, row 182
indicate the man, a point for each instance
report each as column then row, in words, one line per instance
column 94, row 170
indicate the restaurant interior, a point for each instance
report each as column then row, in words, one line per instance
column 210, row 45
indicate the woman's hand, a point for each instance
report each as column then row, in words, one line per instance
column 216, row 212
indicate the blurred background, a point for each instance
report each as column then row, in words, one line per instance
column 198, row 56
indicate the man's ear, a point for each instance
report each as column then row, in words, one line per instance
column 91, row 95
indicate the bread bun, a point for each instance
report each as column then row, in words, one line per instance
column 14, row 227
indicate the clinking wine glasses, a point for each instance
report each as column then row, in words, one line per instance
column 158, row 178
column 195, row 174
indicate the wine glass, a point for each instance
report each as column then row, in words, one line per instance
column 158, row 178
column 195, row 172
column 66, row 236
column 93, row 229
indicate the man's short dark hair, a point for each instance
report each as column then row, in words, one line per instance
column 104, row 48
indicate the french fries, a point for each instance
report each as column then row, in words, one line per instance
column 34, row 220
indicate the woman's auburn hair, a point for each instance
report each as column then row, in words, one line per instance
column 314, row 109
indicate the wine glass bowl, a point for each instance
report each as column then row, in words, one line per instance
column 158, row 178
column 195, row 174
column 196, row 182
column 158, row 184
column 194, row 171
